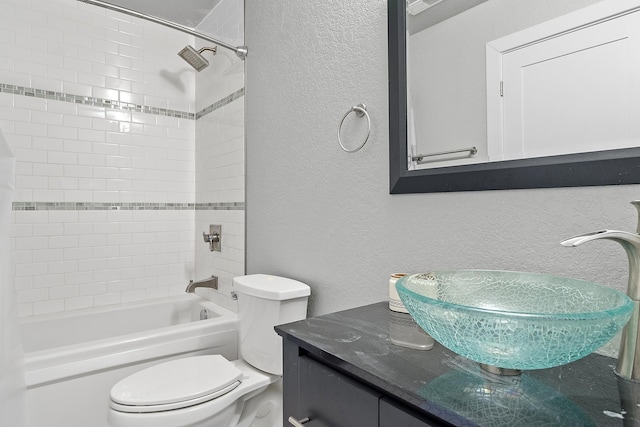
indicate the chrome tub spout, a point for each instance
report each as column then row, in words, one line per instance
column 210, row 282
column 628, row 365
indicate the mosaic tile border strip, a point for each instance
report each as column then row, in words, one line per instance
column 221, row 103
column 117, row 105
column 95, row 102
column 97, row 206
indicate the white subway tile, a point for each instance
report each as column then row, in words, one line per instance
column 78, row 303
column 119, row 115
column 46, row 143
column 32, row 295
column 59, row 106
column 13, row 113
column 48, row 281
column 133, row 98
column 107, row 299
column 92, row 266
column 31, row 103
column 48, row 195
column 105, row 93
column 47, row 307
column 77, row 229
column 104, row 69
column 106, row 276
column 62, row 132
column 62, row 242
column 63, row 216
column 62, row 158
column 92, row 79
column 157, row 292
column 106, row 172
column 62, row 292
column 21, row 230
column 60, row 73
column 91, row 160
column 106, row 196
column 79, row 171
column 78, row 88
column 50, row 229
column 81, row 123
column 117, row 61
column 32, row 182
column 106, row 125
column 72, row 195
column 93, row 184
column 89, row 287
column 92, row 216
column 133, row 296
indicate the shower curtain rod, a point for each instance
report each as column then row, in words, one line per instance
column 241, row 51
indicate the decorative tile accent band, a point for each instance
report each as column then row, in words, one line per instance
column 221, row 103
column 96, row 206
column 117, row 105
column 96, row 102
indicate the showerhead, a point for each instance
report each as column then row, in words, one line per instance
column 195, row 58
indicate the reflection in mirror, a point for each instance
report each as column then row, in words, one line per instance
column 511, row 82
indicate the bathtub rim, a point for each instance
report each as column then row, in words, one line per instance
column 60, row 363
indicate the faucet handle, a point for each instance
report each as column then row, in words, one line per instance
column 213, row 237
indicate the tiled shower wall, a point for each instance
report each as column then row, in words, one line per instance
column 101, row 114
column 226, row 21
column 220, row 150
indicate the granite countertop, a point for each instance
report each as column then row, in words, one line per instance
column 359, row 343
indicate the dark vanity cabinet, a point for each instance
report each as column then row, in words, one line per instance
column 343, row 370
column 329, row 398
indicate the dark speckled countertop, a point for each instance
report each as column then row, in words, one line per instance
column 358, row 342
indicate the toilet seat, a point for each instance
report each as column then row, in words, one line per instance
column 175, row 384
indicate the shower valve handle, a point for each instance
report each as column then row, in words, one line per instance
column 213, row 237
column 210, row 238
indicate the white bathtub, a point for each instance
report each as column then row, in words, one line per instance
column 72, row 359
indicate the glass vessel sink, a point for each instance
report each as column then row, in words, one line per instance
column 514, row 320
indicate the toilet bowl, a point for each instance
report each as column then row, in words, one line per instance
column 210, row 390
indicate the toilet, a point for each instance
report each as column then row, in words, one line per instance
column 210, row 390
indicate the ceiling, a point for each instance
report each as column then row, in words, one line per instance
column 185, row 12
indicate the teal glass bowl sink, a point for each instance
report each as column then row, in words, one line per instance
column 514, row 320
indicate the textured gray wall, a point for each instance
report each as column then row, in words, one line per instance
column 325, row 217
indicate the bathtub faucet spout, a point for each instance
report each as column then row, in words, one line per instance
column 210, row 282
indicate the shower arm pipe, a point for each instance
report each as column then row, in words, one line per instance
column 241, row 51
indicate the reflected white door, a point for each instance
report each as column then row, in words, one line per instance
column 572, row 93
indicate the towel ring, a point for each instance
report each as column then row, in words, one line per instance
column 360, row 110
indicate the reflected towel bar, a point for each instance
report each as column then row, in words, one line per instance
column 418, row 158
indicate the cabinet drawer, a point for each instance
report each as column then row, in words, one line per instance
column 330, row 399
column 393, row 415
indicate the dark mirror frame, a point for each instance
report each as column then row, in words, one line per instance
column 613, row 167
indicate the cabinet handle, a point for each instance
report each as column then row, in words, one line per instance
column 297, row 423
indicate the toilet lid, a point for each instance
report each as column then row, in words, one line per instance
column 191, row 379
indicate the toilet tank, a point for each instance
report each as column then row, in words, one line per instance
column 264, row 302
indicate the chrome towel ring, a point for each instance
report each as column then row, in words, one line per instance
column 360, row 110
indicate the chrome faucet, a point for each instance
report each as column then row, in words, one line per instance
column 628, row 365
column 211, row 282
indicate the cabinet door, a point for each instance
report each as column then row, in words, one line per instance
column 393, row 415
column 330, row 399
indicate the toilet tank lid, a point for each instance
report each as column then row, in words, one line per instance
column 270, row 287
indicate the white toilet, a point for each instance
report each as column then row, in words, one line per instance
column 210, row 390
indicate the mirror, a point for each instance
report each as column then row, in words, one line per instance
column 609, row 165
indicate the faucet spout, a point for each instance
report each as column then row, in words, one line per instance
column 631, row 244
column 210, row 282
column 628, row 365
